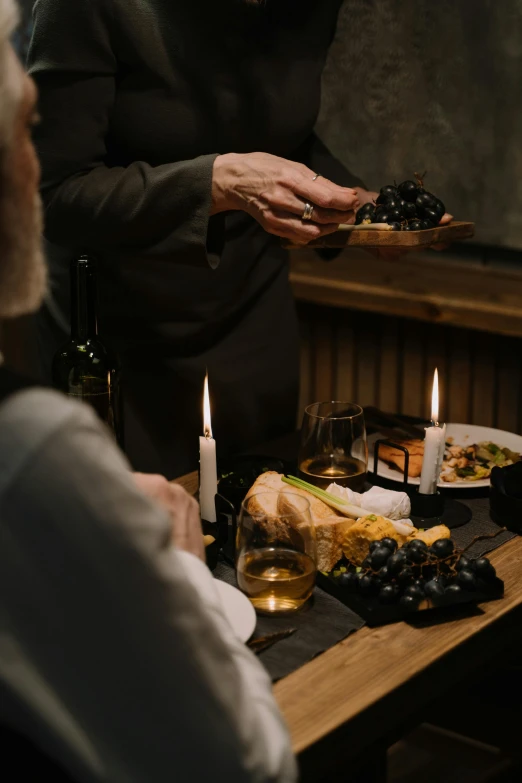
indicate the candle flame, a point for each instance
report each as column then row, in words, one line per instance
column 207, row 424
column 435, row 398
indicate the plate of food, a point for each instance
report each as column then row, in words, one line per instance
column 471, row 454
column 387, row 577
column 372, row 558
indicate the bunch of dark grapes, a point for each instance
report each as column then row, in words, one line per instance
column 406, row 207
column 416, row 574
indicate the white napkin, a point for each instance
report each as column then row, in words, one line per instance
column 383, row 502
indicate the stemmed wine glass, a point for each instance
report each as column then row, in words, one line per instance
column 333, row 445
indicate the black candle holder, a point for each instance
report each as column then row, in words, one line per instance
column 427, row 506
column 426, row 510
column 223, row 531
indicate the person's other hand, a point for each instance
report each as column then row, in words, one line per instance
column 366, row 196
column 182, row 509
column 274, row 191
column 444, row 221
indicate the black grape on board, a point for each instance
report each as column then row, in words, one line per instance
column 406, row 207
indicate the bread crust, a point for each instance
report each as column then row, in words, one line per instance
column 329, row 526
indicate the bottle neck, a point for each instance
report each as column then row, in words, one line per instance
column 84, row 315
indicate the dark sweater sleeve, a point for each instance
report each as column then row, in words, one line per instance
column 163, row 209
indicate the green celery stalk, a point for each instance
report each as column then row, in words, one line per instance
column 320, row 493
column 345, row 508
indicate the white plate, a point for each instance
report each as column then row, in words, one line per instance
column 463, row 435
column 237, row 609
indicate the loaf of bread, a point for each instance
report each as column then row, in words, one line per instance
column 329, row 527
column 274, row 503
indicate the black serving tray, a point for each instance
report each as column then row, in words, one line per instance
column 374, row 613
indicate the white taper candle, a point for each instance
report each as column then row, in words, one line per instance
column 207, row 464
column 434, row 446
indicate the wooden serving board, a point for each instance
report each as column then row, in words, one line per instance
column 347, row 236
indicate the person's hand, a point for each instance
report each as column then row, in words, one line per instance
column 366, row 196
column 444, row 221
column 182, row 509
column 274, row 191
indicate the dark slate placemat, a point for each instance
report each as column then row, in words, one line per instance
column 480, row 525
column 321, row 624
column 324, row 621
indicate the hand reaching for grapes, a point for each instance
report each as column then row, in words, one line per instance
column 275, row 191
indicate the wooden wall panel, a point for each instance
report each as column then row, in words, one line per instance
column 323, row 360
column 411, row 362
column 346, row 377
column 367, row 355
column 458, row 376
column 381, row 360
column 483, row 388
column 509, row 384
column 387, row 391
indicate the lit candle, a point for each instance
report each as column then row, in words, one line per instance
column 207, row 464
column 434, row 446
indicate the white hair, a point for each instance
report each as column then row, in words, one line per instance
column 10, row 82
column 22, row 267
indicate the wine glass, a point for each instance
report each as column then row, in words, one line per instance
column 333, row 445
column 276, row 551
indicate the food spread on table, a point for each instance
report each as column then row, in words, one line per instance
column 424, row 571
column 363, row 547
column 369, row 548
column 473, row 462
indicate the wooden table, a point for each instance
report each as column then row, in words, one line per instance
column 369, row 687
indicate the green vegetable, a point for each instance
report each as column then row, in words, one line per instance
column 465, row 472
column 343, row 569
column 372, row 518
column 492, row 448
column 319, row 493
column 358, row 570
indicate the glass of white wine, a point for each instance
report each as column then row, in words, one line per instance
column 276, row 551
column 333, row 445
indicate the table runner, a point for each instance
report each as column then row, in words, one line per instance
column 325, row 621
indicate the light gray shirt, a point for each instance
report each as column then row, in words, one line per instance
column 115, row 656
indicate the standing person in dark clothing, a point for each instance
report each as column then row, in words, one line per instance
column 177, row 145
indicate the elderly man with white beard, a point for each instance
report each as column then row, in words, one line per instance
column 116, row 661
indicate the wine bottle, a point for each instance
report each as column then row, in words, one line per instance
column 85, row 368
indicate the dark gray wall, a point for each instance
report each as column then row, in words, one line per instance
column 437, row 85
